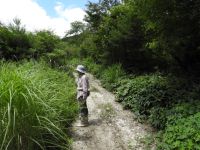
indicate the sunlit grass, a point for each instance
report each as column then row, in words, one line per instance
column 36, row 107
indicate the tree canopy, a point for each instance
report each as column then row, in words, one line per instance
column 132, row 32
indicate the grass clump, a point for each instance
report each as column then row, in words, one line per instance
column 111, row 75
column 36, row 107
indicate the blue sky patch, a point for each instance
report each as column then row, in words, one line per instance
column 49, row 5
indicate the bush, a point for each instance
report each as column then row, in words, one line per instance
column 182, row 110
column 160, row 117
column 45, row 42
column 93, row 67
column 14, row 41
column 144, row 92
column 150, row 95
column 111, row 75
column 37, row 105
column 184, row 134
column 17, row 44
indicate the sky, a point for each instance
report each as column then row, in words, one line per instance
column 35, row 15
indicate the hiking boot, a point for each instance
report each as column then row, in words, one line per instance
column 84, row 121
column 81, row 124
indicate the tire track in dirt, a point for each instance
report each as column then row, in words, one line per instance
column 111, row 127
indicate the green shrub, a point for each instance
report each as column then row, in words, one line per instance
column 36, row 107
column 161, row 116
column 111, row 75
column 184, row 134
column 158, row 117
column 182, row 110
column 14, row 41
column 143, row 92
column 93, row 67
column 150, row 95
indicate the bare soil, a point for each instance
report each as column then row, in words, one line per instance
column 110, row 126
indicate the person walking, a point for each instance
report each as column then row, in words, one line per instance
column 82, row 94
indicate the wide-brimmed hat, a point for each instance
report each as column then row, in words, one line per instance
column 81, row 68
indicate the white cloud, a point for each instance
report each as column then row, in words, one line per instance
column 34, row 17
column 70, row 14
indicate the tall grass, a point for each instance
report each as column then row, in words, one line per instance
column 36, row 107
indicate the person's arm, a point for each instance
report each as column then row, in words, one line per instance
column 85, row 86
column 78, row 87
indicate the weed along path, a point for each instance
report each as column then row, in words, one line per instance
column 111, row 127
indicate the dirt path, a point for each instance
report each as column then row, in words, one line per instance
column 111, row 127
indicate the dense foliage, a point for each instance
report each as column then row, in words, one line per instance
column 16, row 43
column 158, row 43
column 183, row 134
column 36, row 106
column 157, row 98
column 145, row 35
column 146, row 51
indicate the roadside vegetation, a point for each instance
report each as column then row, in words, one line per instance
column 37, row 106
column 146, row 52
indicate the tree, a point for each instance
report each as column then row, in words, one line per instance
column 150, row 33
column 77, row 27
column 14, row 41
column 121, row 37
column 45, row 42
column 16, row 26
column 174, row 27
column 93, row 16
column 96, row 11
